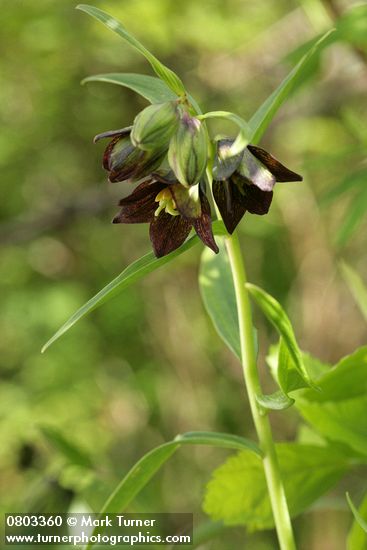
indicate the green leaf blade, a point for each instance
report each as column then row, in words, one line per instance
column 168, row 76
column 141, row 473
column 277, row 401
column 130, row 275
column 218, row 294
column 264, row 115
column 357, row 536
column 274, row 312
column 149, row 87
column 356, row 287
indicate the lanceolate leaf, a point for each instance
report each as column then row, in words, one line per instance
column 277, row 316
column 150, row 87
column 144, row 470
column 263, row 116
column 356, row 286
column 168, row 76
column 217, row 291
column 130, row 275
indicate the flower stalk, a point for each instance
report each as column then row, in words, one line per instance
column 262, row 424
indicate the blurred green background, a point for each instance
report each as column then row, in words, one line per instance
column 148, row 364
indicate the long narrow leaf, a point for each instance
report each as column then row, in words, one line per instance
column 263, row 116
column 168, row 76
column 130, row 275
column 139, row 475
column 217, row 292
column 277, row 316
column 150, row 87
column 357, row 516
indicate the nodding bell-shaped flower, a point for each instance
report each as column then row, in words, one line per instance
column 244, row 182
column 171, row 210
column 124, row 161
column 188, row 150
column 154, row 126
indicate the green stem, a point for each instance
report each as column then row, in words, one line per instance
column 271, row 467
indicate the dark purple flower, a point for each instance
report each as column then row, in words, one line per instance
column 124, row 161
column 171, row 210
column 245, row 182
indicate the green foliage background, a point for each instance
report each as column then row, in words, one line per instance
column 148, row 364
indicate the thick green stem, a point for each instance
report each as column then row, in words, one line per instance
column 275, row 487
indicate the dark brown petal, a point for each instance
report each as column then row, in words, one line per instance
column 280, row 172
column 255, row 172
column 187, row 200
column 230, row 201
column 223, row 168
column 113, row 133
column 139, row 207
column 203, row 225
column 255, row 200
column 168, row 233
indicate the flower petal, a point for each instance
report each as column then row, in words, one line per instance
column 230, row 201
column 255, row 172
column 280, row 172
column 224, row 166
column 203, row 225
column 139, row 207
column 168, row 233
column 254, row 199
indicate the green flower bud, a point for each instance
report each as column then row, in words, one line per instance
column 155, row 125
column 188, row 151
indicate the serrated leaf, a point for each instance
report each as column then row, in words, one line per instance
column 338, row 410
column 237, row 493
column 139, row 475
column 357, row 539
column 218, row 294
column 150, row 87
column 263, row 116
column 274, row 312
column 166, row 74
column 277, row 401
column 356, row 286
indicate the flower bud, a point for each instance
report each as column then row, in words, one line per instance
column 188, row 151
column 154, row 126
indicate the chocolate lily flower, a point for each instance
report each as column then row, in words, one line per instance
column 245, row 182
column 123, row 161
column 171, row 210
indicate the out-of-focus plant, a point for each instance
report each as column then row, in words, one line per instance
column 186, row 179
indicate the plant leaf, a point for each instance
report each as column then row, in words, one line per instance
column 277, row 401
column 150, row 87
column 130, row 275
column 218, row 294
column 164, row 73
column 263, row 116
column 149, row 464
column 356, row 286
column 338, row 411
column 353, row 218
column 277, row 316
column 357, row 536
column 237, row 492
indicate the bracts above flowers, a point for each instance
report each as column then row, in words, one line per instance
column 166, row 153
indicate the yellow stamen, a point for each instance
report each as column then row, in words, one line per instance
column 166, row 203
